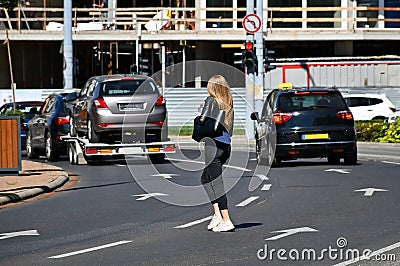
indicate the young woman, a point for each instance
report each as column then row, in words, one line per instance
column 217, row 152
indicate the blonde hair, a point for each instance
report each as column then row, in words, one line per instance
column 218, row 88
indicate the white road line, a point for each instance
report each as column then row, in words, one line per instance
column 246, row 202
column 193, row 223
column 390, row 162
column 374, row 253
column 266, row 187
column 198, row 162
column 89, row 250
column 262, row 177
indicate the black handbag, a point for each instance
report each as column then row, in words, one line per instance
column 211, row 128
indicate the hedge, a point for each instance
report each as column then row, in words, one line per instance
column 378, row 131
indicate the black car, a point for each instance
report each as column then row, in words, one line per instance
column 29, row 108
column 44, row 130
column 309, row 123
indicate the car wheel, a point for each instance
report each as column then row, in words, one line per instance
column 333, row 159
column 30, row 152
column 276, row 162
column 91, row 134
column 51, row 154
column 350, row 158
column 72, row 128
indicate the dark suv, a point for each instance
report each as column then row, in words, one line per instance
column 309, row 123
column 118, row 108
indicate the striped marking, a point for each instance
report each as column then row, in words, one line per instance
column 198, row 162
column 89, row 250
column 266, row 187
column 246, row 202
column 193, row 223
column 387, row 162
column 373, row 254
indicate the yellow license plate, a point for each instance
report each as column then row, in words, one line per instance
column 315, row 136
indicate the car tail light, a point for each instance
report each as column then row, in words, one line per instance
column 91, row 150
column 169, row 148
column 62, row 121
column 280, row 118
column 105, row 124
column 393, row 109
column 345, row 115
column 159, row 123
column 21, row 127
column 100, row 103
column 130, row 78
column 160, row 101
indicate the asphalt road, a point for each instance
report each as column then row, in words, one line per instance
column 303, row 208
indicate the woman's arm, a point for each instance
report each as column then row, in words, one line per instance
column 207, row 109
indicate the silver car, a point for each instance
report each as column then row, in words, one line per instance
column 119, row 108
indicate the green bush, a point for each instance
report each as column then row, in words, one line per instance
column 16, row 113
column 378, row 131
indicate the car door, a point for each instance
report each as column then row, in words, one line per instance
column 44, row 119
column 266, row 128
column 80, row 106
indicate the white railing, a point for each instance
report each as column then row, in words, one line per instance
column 198, row 19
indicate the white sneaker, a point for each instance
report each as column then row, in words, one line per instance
column 224, row 226
column 214, row 222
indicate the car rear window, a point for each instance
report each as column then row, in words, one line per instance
column 127, row 87
column 303, row 101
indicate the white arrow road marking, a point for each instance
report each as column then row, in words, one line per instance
column 20, row 233
column 194, row 223
column 262, row 177
column 246, row 202
column 147, row 196
column 289, row 232
column 266, row 187
column 342, row 171
column 372, row 255
column 198, row 162
column 167, row 176
column 368, row 192
column 89, row 250
column 390, row 162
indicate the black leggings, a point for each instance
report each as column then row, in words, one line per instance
column 216, row 154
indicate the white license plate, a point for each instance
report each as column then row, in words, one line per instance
column 131, row 150
column 131, row 107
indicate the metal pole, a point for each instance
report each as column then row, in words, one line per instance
column 249, row 84
column 138, row 35
column 68, row 49
column 11, row 70
column 184, row 64
column 163, row 70
column 259, row 80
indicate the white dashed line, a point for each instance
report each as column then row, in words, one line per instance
column 390, row 162
column 246, row 202
column 89, row 250
column 373, row 254
column 226, row 166
column 193, row 223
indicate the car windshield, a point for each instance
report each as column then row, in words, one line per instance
column 302, row 101
column 127, row 87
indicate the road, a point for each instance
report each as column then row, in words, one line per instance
column 305, row 206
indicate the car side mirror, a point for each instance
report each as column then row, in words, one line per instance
column 254, row 116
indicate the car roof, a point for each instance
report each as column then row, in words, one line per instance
column 35, row 103
column 367, row 95
column 310, row 89
column 120, row 76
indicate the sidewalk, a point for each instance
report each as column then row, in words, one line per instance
column 34, row 179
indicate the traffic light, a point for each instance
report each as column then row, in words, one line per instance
column 269, row 57
column 143, row 67
column 250, row 58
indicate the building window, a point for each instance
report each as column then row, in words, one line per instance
column 219, row 14
column 289, row 14
column 389, row 14
column 323, row 14
column 367, row 13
